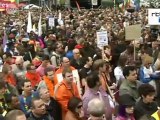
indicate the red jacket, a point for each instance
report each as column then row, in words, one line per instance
column 34, row 78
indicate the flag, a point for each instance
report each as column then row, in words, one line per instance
column 29, row 25
column 40, row 26
column 5, row 38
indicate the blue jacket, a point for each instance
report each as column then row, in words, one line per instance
column 153, row 76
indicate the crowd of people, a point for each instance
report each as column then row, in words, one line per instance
column 64, row 75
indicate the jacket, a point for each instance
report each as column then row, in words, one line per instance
column 34, row 78
column 128, row 87
column 44, row 117
column 63, row 93
column 142, row 109
column 50, row 85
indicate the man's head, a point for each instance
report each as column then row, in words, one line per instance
column 68, row 75
column 49, row 72
column 15, row 115
column 96, row 109
column 26, row 86
column 88, row 61
column 31, row 68
column 19, row 62
column 147, row 92
column 65, row 62
column 76, row 53
column 38, row 107
column 93, row 80
column 45, row 61
column 12, row 101
column 44, row 94
column 99, row 65
column 130, row 73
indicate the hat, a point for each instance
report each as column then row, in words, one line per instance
column 127, row 100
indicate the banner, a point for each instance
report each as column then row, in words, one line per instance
column 154, row 16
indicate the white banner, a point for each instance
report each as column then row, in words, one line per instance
column 154, row 16
column 102, row 38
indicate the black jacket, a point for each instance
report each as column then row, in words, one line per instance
column 54, row 109
column 44, row 117
column 142, row 109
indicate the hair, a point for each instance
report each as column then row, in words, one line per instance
column 122, row 61
column 33, row 101
column 147, row 59
column 48, row 69
column 7, row 55
column 23, row 82
column 45, row 57
column 98, row 63
column 13, row 114
column 8, row 98
column 29, row 66
column 66, row 70
column 96, row 107
column 122, row 111
column 127, row 69
column 73, row 103
column 92, row 79
column 146, row 89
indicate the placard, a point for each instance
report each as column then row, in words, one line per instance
column 51, row 22
column 102, row 39
column 132, row 32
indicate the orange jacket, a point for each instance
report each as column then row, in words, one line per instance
column 50, row 85
column 60, row 70
column 11, row 79
column 34, row 78
column 63, row 93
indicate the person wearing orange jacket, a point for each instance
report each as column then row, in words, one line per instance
column 66, row 90
column 32, row 75
column 65, row 64
column 48, row 81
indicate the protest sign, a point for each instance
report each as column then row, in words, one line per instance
column 51, row 22
column 132, row 32
column 102, row 38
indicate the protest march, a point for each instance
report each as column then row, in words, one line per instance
column 59, row 62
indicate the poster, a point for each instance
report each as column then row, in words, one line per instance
column 102, row 39
column 133, row 32
column 51, row 22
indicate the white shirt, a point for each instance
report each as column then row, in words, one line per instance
column 118, row 73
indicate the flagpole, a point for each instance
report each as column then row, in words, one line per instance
column 114, row 5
